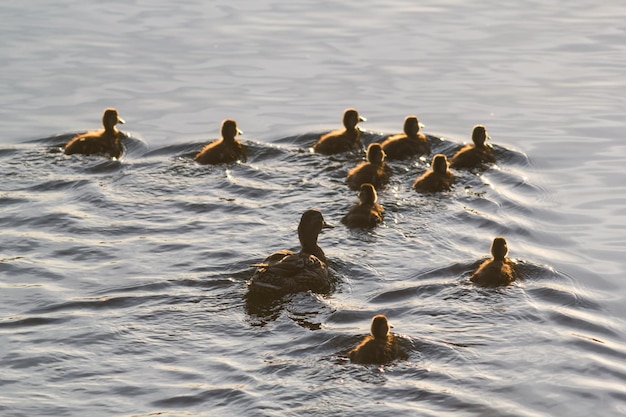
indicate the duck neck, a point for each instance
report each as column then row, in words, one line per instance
column 310, row 246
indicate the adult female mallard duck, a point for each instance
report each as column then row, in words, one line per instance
column 99, row 142
column 342, row 140
column 411, row 142
column 225, row 150
column 438, row 178
column 373, row 171
column 476, row 154
column 497, row 271
column 367, row 212
column 285, row 271
column 380, row 347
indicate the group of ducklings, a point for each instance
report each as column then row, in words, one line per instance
column 285, row 271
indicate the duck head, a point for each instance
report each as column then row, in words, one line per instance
column 311, row 224
column 351, row 118
column 440, row 163
column 380, row 327
column 412, row 126
column 230, row 130
column 367, row 194
column 479, row 135
column 499, row 248
column 110, row 118
column 375, row 153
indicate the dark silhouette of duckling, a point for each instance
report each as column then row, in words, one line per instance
column 285, row 271
column 367, row 212
column 342, row 140
column 411, row 142
column 380, row 347
column 99, row 142
column 497, row 271
column 438, row 178
column 373, row 171
column 225, row 150
column 476, row 154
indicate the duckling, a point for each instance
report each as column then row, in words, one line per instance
column 497, row 271
column 367, row 212
column 107, row 141
column 380, row 347
column 474, row 155
column 411, row 142
column 225, row 150
column 373, row 171
column 285, row 271
column 438, row 178
column 344, row 140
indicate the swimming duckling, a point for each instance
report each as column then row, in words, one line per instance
column 438, row 178
column 411, row 142
column 342, row 140
column 476, row 154
column 497, row 271
column 225, row 150
column 107, row 141
column 367, row 212
column 380, row 347
column 373, row 171
column 285, row 271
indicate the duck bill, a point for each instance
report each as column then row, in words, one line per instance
column 362, row 119
column 421, row 125
column 120, row 120
column 239, row 132
column 327, row 226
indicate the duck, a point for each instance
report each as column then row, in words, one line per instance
column 475, row 154
column 499, row 270
column 380, row 347
column 367, row 213
column 342, row 140
column 373, row 171
column 286, row 272
column 438, row 178
column 99, row 142
column 411, row 142
column 225, row 150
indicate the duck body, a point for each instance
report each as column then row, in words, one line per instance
column 99, row 142
column 342, row 140
column 410, row 143
column 225, row 150
column 475, row 154
column 286, row 272
column 497, row 271
column 378, row 348
column 437, row 179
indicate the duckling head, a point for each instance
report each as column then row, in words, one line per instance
column 375, row 153
column 351, row 118
column 412, row 126
column 499, row 248
column 367, row 194
column 479, row 135
column 380, row 327
column 440, row 163
column 110, row 118
column 230, row 130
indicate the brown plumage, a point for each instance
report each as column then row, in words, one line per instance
column 99, row 142
column 342, row 140
column 225, row 150
column 380, row 347
column 476, row 154
column 438, row 178
column 410, row 143
column 367, row 212
column 285, row 272
column 373, row 171
column 496, row 271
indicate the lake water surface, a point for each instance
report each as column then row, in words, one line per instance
column 122, row 283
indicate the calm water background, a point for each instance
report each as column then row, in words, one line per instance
column 122, row 282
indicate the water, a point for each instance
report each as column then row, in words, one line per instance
column 123, row 281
